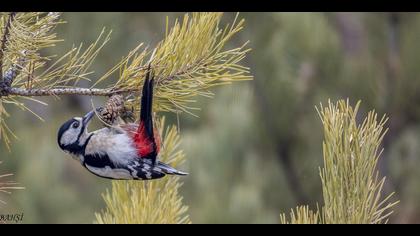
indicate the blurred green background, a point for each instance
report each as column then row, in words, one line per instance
column 256, row 148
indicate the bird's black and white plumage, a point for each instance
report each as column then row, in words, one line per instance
column 127, row 151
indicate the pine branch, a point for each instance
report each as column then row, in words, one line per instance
column 302, row 215
column 189, row 61
column 66, row 91
column 351, row 186
column 4, row 41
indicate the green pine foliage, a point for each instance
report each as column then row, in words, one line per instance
column 23, row 63
column 351, row 186
column 191, row 59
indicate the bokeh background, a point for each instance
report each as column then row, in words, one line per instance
column 255, row 150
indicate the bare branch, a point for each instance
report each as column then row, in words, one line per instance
column 65, row 91
column 15, row 69
column 4, row 41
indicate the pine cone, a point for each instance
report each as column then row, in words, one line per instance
column 113, row 109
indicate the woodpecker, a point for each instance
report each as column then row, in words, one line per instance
column 126, row 151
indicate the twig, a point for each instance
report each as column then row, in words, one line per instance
column 6, row 88
column 64, row 91
column 15, row 69
column 4, row 41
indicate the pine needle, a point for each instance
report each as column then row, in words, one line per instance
column 7, row 186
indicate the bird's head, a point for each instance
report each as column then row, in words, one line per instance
column 73, row 134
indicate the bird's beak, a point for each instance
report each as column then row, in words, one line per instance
column 88, row 117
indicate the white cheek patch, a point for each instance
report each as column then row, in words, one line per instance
column 69, row 137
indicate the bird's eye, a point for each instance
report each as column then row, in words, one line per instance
column 75, row 125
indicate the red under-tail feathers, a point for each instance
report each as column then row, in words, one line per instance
column 144, row 144
column 148, row 145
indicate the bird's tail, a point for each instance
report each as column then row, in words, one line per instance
column 167, row 169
